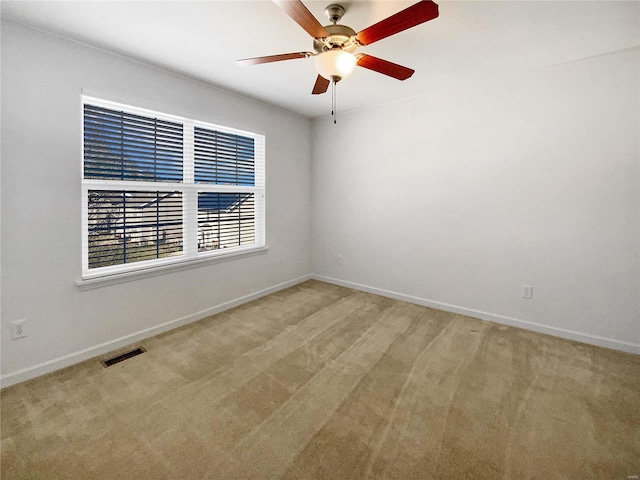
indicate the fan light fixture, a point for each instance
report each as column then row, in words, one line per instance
column 333, row 44
column 335, row 64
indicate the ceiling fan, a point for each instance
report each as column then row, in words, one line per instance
column 334, row 44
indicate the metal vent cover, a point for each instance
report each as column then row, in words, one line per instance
column 122, row 357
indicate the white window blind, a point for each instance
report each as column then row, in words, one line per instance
column 161, row 189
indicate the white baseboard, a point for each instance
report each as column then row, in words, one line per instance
column 492, row 317
column 82, row 355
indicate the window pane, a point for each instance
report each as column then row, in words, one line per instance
column 125, row 146
column 223, row 158
column 127, row 227
column 225, row 220
column 130, row 227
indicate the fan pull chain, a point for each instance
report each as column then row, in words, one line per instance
column 334, row 106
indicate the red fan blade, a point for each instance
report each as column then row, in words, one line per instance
column 273, row 58
column 409, row 17
column 321, row 85
column 383, row 66
column 303, row 17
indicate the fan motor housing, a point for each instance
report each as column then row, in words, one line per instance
column 340, row 36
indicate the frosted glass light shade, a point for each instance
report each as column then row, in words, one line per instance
column 335, row 63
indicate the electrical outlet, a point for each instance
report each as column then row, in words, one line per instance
column 527, row 292
column 18, row 329
column 339, row 259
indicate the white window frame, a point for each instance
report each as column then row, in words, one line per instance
column 189, row 191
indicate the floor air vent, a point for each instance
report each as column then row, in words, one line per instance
column 122, row 357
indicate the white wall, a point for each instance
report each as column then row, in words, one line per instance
column 457, row 198
column 42, row 78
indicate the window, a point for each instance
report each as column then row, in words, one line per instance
column 160, row 189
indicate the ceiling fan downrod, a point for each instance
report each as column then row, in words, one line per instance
column 334, row 12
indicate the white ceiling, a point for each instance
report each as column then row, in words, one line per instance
column 469, row 42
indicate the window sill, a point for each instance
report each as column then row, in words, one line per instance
column 117, row 278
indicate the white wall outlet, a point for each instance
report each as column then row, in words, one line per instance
column 527, row 291
column 339, row 259
column 18, row 329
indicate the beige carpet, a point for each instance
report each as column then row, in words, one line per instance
column 323, row 382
